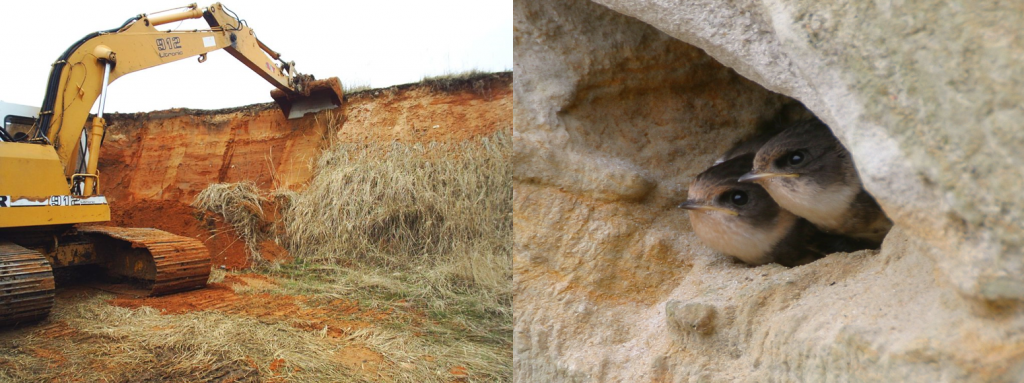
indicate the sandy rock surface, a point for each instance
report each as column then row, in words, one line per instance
column 618, row 105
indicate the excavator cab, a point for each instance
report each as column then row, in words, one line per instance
column 16, row 121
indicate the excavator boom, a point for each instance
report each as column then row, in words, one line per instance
column 80, row 75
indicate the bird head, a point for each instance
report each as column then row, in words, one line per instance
column 717, row 192
column 805, row 154
column 738, row 219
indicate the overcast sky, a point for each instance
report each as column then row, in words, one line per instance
column 376, row 43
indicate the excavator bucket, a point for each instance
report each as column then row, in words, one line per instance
column 317, row 95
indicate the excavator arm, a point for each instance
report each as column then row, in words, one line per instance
column 81, row 75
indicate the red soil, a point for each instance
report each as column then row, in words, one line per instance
column 361, row 359
column 421, row 115
column 277, row 365
column 226, row 249
column 59, row 330
column 338, row 316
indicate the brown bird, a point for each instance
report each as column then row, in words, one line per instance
column 743, row 221
column 809, row 172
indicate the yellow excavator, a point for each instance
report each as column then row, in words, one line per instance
column 49, row 183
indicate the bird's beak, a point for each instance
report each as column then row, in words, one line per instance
column 753, row 177
column 693, row 205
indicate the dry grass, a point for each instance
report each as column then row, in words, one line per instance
column 425, row 227
column 398, row 203
column 473, row 79
column 331, row 122
column 429, row 225
column 355, row 88
column 99, row 342
column 241, row 205
column 86, row 339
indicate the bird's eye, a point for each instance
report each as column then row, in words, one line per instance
column 739, row 198
column 795, row 158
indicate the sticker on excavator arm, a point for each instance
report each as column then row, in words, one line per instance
column 56, row 200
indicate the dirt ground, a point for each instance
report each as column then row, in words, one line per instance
column 252, row 322
column 56, row 343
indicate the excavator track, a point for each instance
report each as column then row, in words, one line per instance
column 169, row 263
column 26, row 285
